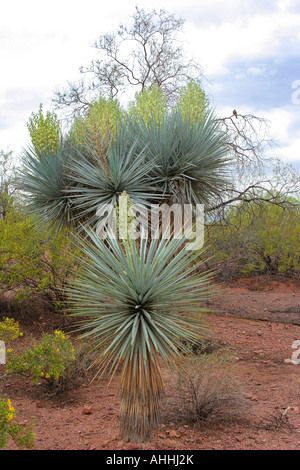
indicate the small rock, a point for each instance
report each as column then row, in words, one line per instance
column 87, row 410
column 254, row 399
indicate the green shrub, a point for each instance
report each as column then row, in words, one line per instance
column 257, row 239
column 34, row 260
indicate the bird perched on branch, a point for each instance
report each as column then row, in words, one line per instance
column 234, row 113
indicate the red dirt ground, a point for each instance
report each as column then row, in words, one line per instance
column 257, row 320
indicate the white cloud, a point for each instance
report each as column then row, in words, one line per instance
column 256, row 71
column 256, row 36
column 43, row 43
column 281, row 122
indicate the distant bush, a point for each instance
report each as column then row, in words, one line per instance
column 257, row 239
column 34, row 260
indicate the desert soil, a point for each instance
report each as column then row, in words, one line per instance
column 257, row 320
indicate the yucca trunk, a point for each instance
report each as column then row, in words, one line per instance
column 141, row 389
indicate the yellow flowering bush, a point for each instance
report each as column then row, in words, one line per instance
column 22, row 435
column 46, row 360
column 9, row 330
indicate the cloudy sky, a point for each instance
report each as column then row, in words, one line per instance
column 249, row 51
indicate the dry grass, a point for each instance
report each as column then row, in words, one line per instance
column 208, row 391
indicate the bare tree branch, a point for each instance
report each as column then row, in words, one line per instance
column 144, row 53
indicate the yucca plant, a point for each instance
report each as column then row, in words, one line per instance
column 138, row 306
column 190, row 153
column 95, row 184
column 174, row 159
column 139, row 301
column 45, row 181
column 66, row 187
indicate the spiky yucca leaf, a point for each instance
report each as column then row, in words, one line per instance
column 136, row 305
